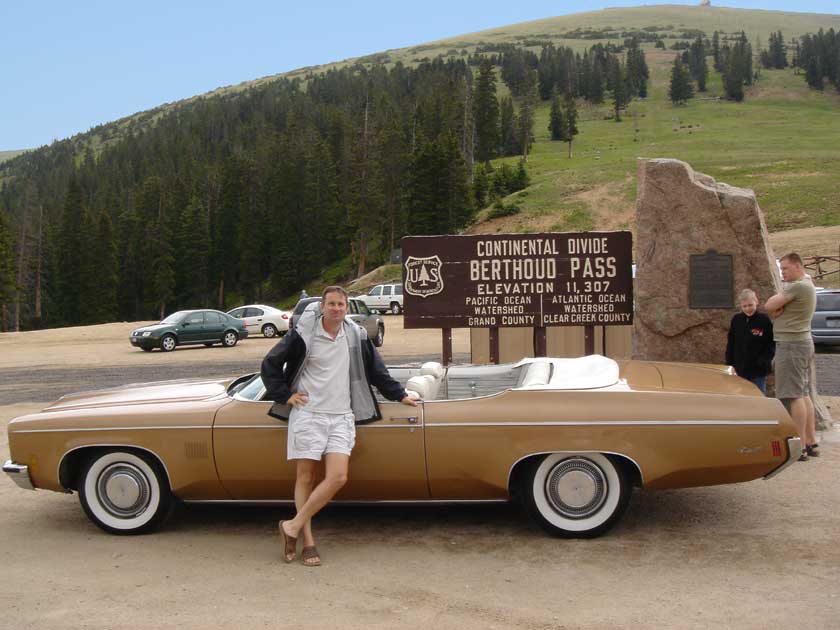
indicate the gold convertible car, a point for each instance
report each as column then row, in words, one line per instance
column 568, row 437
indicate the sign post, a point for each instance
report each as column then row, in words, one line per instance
column 518, row 280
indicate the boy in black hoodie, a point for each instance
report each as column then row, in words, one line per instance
column 749, row 345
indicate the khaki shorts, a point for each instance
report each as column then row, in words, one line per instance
column 793, row 368
column 311, row 434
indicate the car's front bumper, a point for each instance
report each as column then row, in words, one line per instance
column 794, row 451
column 19, row 473
column 145, row 342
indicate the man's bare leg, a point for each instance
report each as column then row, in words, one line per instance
column 810, row 421
column 337, row 465
column 799, row 413
column 307, row 470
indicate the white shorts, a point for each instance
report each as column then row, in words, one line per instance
column 312, row 433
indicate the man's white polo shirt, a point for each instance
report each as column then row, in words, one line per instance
column 326, row 374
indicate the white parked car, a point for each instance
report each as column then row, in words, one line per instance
column 261, row 319
column 384, row 298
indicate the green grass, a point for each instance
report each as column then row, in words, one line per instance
column 8, row 155
column 780, row 142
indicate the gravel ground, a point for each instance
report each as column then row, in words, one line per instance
column 748, row 556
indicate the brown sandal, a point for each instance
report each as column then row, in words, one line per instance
column 309, row 557
column 289, row 545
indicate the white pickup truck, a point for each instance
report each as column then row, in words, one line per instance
column 384, row 297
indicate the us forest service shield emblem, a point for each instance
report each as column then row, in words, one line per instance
column 423, row 276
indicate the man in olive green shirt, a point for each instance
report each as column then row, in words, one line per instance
column 792, row 309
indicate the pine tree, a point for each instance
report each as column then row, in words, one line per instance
column 620, row 92
column 7, row 268
column 716, row 52
column 733, row 82
column 70, row 255
column 486, row 113
column 570, row 119
column 481, row 184
column 814, row 74
column 556, row 122
column 527, row 111
column 697, row 63
column 680, row 89
column 508, row 141
column 107, row 257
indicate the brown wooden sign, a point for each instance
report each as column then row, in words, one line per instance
column 502, row 280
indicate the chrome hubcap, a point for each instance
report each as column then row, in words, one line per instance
column 576, row 488
column 123, row 490
column 169, row 343
column 229, row 339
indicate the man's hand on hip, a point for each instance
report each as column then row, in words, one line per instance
column 298, row 399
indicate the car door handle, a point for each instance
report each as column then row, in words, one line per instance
column 411, row 419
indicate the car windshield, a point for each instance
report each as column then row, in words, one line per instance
column 174, row 318
column 248, row 387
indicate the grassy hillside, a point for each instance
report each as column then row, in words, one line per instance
column 8, row 155
column 775, row 142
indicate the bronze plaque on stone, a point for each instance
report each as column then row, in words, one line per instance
column 710, row 283
column 506, row 280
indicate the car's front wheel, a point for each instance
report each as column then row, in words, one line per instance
column 229, row 339
column 395, row 308
column 269, row 330
column 168, row 343
column 380, row 336
column 124, row 492
column 576, row 495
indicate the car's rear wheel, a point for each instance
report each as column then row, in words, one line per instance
column 124, row 492
column 269, row 330
column 576, row 495
column 380, row 336
column 395, row 308
column 229, row 339
column 168, row 343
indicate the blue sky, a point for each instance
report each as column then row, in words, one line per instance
column 68, row 66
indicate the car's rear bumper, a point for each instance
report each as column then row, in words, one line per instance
column 19, row 473
column 831, row 339
column 794, row 451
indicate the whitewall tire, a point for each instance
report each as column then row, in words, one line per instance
column 576, row 495
column 124, row 492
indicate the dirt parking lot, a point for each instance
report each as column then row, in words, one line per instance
column 754, row 555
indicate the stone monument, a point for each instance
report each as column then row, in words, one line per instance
column 698, row 243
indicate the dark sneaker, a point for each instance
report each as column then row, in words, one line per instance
column 813, row 450
column 804, row 456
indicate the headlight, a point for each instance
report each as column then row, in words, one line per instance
column 147, row 333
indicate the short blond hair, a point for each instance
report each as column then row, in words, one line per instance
column 747, row 294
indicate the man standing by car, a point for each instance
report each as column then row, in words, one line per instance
column 792, row 309
column 320, row 375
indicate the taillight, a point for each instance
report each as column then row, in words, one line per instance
column 777, row 448
column 284, row 316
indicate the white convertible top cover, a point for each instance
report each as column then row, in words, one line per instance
column 590, row 372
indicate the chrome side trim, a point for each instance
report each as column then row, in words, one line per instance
column 19, row 474
column 794, row 451
column 627, row 457
column 78, row 430
column 608, row 423
column 348, row 502
column 129, row 446
column 284, row 426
